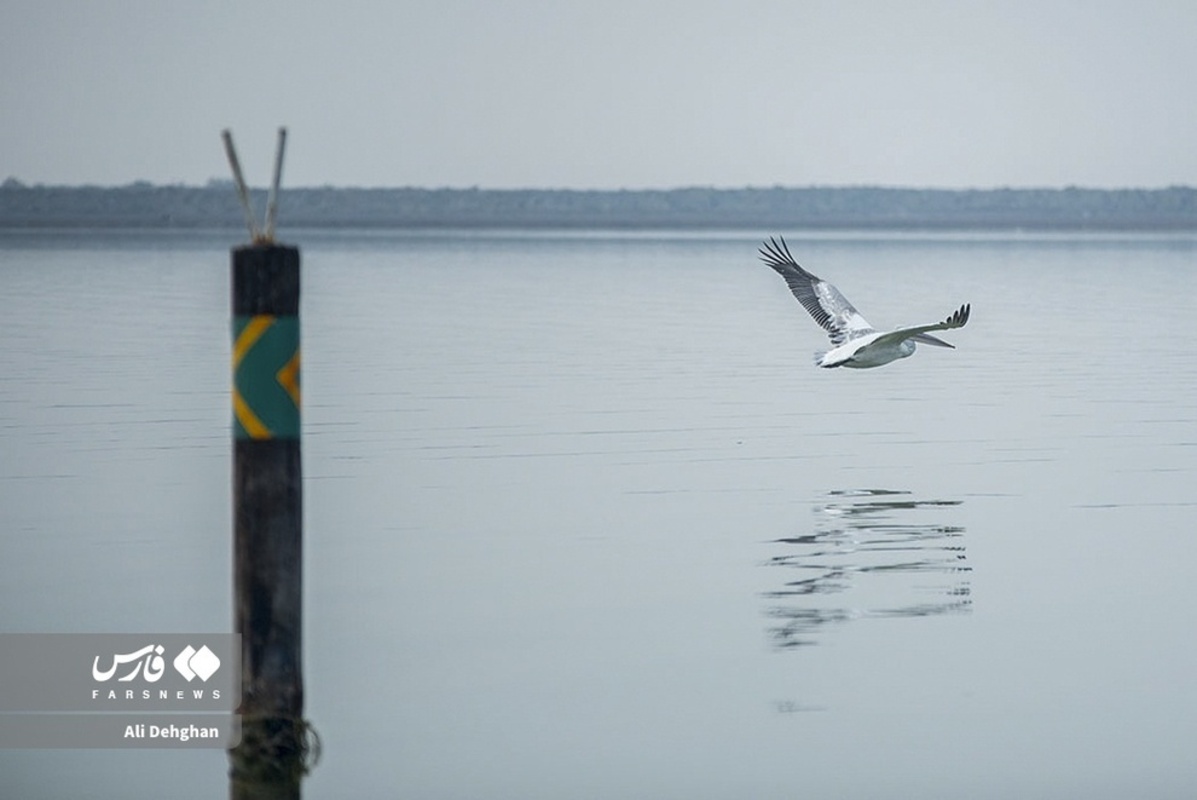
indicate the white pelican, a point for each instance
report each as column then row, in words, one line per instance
column 855, row 343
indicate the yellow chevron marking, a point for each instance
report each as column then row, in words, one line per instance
column 288, row 377
column 245, row 341
column 249, row 336
column 248, row 419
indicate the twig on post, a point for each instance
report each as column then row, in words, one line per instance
column 239, row 181
column 272, row 201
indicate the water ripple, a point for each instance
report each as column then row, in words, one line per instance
column 869, row 553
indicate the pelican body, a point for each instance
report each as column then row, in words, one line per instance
column 855, row 343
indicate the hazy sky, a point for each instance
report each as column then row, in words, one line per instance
column 603, row 93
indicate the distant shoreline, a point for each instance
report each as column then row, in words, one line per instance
column 144, row 205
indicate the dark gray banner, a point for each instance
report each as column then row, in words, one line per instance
column 124, row 672
column 119, row 731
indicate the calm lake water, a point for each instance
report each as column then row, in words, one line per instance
column 583, row 520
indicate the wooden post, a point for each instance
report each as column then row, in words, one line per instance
column 277, row 744
column 268, row 518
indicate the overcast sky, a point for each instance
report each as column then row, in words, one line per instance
column 603, row 93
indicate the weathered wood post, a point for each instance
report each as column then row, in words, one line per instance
column 268, row 510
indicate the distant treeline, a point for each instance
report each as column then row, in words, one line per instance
column 143, row 205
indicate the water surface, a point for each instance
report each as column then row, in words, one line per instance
column 582, row 519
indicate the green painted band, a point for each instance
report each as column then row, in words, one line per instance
column 266, row 395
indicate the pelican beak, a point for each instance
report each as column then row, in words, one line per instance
column 926, row 338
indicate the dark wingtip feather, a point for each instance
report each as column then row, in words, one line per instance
column 776, row 253
column 960, row 316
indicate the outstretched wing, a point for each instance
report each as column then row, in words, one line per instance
column 920, row 332
column 824, row 302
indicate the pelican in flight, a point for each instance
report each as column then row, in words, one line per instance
column 854, row 342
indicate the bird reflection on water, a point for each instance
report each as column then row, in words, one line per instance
column 870, row 553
